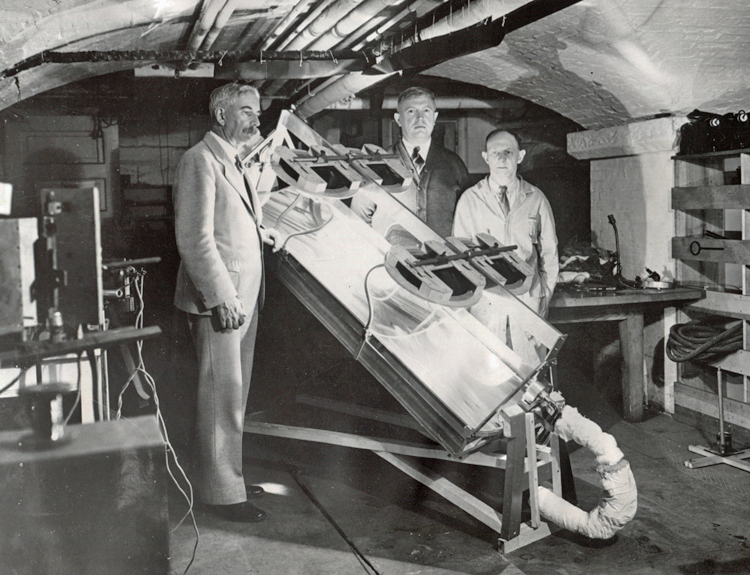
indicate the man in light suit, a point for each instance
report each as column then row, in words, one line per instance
column 220, row 284
column 439, row 175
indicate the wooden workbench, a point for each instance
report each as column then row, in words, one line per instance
column 627, row 307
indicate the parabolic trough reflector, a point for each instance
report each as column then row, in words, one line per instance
column 444, row 367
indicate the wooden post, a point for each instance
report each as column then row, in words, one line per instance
column 514, row 475
column 631, row 344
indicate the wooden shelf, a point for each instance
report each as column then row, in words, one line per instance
column 711, row 197
column 723, row 304
column 704, row 204
column 710, row 155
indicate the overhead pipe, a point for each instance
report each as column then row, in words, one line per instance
column 469, row 15
column 208, row 14
column 341, row 89
column 306, row 22
column 213, row 17
column 520, row 12
column 354, row 20
column 441, row 103
column 387, row 24
column 221, row 20
column 299, row 8
column 273, row 88
column 327, row 19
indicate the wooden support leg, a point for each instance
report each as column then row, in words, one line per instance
column 514, row 475
column 631, row 344
column 566, row 473
column 533, row 474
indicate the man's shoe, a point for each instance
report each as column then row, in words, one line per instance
column 254, row 491
column 244, row 512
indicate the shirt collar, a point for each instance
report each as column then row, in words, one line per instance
column 424, row 149
column 512, row 189
column 231, row 151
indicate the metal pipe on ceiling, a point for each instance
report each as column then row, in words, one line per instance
column 312, row 16
column 383, row 26
column 469, row 15
column 441, row 103
column 298, row 9
column 389, row 23
column 341, row 89
column 208, row 14
column 221, row 20
column 324, row 22
column 355, row 19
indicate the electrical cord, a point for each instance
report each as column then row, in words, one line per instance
column 702, row 341
column 14, row 380
column 140, row 368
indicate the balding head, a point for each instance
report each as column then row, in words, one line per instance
column 503, row 153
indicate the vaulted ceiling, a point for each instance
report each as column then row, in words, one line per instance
column 597, row 62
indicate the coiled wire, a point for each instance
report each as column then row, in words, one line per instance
column 703, row 341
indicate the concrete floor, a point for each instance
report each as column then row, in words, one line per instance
column 689, row 521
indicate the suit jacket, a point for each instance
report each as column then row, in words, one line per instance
column 217, row 232
column 442, row 180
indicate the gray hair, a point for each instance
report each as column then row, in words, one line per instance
column 224, row 96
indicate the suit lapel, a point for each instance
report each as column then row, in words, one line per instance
column 231, row 173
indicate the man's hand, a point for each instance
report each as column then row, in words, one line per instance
column 271, row 236
column 230, row 314
column 363, row 206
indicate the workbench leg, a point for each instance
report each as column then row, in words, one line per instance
column 514, row 478
column 631, row 344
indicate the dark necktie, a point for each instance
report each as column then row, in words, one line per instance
column 241, row 168
column 417, row 159
column 504, row 203
column 256, row 214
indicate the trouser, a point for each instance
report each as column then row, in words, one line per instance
column 225, row 364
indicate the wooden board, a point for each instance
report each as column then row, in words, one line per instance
column 706, row 402
column 711, row 197
column 699, row 248
column 724, row 304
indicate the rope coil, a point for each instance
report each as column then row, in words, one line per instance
column 702, row 341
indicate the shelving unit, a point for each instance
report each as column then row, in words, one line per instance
column 711, row 248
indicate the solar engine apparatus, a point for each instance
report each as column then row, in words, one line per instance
column 396, row 296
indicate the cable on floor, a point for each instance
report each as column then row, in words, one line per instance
column 366, row 565
column 703, row 341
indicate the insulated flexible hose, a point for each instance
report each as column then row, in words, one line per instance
column 619, row 497
column 702, row 341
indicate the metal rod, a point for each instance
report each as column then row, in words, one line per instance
column 347, row 158
column 721, row 412
column 463, row 256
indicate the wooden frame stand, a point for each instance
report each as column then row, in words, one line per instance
column 526, row 464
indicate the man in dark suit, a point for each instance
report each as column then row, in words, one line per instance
column 220, row 284
column 439, row 175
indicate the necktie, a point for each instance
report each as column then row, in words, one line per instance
column 251, row 194
column 504, row 203
column 257, row 214
column 417, row 159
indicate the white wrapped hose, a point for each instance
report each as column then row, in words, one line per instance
column 619, row 500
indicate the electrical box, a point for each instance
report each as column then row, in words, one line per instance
column 17, row 308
